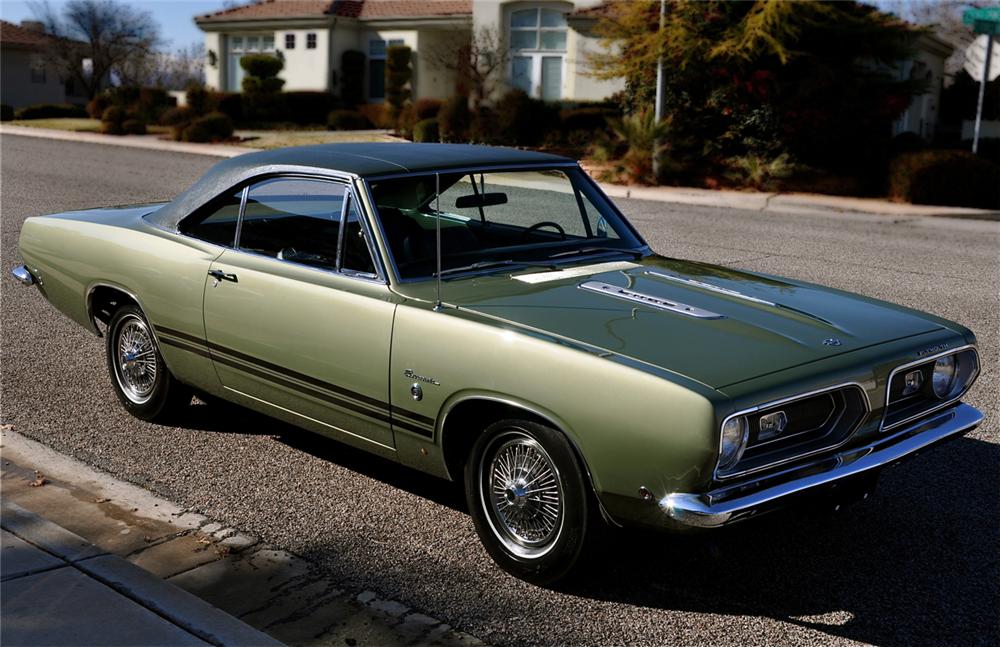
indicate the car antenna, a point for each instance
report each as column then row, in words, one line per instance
column 437, row 209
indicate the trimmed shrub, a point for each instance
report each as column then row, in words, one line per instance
column 134, row 127
column 591, row 119
column 262, row 66
column 309, row 107
column 455, row 119
column 262, row 100
column 97, row 106
column 6, row 112
column 175, row 116
column 484, row 128
column 522, row 120
column 198, row 99
column 945, row 177
column 398, row 73
column 347, row 120
column 51, row 111
column 228, row 103
column 111, row 128
column 376, row 114
column 352, row 78
column 426, row 130
column 427, row 109
column 215, row 126
column 113, row 114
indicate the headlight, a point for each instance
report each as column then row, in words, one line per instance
column 734, row 440
column 943, row 378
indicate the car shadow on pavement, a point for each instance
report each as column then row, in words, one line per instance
column 915, row 564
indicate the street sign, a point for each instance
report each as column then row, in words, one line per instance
column 975, row 59
column 985, row 20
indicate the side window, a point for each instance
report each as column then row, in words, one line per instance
column 292, row 219
column 216, row 223
column 356, row 255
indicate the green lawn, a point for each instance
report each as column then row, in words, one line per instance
column 282, row 138
column 77, row 125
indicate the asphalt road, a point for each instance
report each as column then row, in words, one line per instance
column 918, row 564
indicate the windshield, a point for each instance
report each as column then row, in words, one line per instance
column 496, row 220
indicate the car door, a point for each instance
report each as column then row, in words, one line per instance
column 296, row 319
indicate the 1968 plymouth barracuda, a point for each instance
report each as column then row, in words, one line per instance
column 489, row 315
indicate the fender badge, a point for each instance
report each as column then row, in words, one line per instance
column 832, row 341
column 933, row 349
column 414, row 376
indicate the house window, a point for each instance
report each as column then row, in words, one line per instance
column 289, row 41
column 37, row 69
column 376, row 66
column 310, row 41
column 239, row 45
column 538, row 51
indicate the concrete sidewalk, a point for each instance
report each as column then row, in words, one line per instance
column 135, row 569
column 784, row 203
column 59, row 589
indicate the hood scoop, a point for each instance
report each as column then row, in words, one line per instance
column 649, row 300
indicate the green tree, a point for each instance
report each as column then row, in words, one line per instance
column 262, row 98
column 811, row 79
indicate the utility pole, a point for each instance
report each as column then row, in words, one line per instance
column 658, row 110
column 982, row 92
column 984, row 20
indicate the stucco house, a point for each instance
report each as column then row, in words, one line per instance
column 927, row 64
column 548, row 41
column 26, row 77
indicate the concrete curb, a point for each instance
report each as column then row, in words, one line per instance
column 781, row 203
column 167, row 600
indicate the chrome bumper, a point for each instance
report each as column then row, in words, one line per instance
column 731, row 503
column 22, row 274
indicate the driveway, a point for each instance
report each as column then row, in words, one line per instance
column 917, row 564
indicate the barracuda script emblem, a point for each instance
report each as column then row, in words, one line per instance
column 933, row 349
column 420, row 378
column 832, row 341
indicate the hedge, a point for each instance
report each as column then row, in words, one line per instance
column 352, row 78
column 51, row 111
column 309, row 107
column 426, row 130
column 347, row 120
column 455, row 119
column 6, row 112
column 945, row 177
column 215, row 126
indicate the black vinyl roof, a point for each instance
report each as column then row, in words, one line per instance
column 364, row 160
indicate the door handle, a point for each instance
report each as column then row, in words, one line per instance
column 219, row 275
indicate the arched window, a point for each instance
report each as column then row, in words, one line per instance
column 538, row 51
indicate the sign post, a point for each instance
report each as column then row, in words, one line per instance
column 984, row 21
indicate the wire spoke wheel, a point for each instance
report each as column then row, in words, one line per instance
column 135, row 359
column 521, row 493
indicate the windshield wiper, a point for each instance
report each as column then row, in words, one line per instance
column 485, row 265
column 591, row 250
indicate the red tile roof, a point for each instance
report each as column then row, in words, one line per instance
column 362, row 9
column 11, row 34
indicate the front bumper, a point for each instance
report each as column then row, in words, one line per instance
column 744, row 500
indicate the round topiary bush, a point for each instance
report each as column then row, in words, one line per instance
column 426, row 130
column 945, row 177
column 113, row 114
column 133, row 127
column 218, row 124
column 261, row 66
column 196, row 132
column 347, row 120
column 175, row 116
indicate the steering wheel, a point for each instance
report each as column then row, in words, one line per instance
column 539, row 225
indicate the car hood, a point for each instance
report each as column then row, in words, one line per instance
column 711, row 324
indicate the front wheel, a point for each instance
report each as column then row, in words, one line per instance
column 528, row 499
column 139, row 376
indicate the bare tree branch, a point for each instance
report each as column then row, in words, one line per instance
column 478, row 63
column 114, row 37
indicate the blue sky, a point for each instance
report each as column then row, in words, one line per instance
column 175, row 17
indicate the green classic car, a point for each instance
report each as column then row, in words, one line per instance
column 489, row 315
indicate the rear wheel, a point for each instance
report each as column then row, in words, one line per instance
column 139, row 376
column 528, row 499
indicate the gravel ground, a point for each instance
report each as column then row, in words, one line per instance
column 917, row 564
